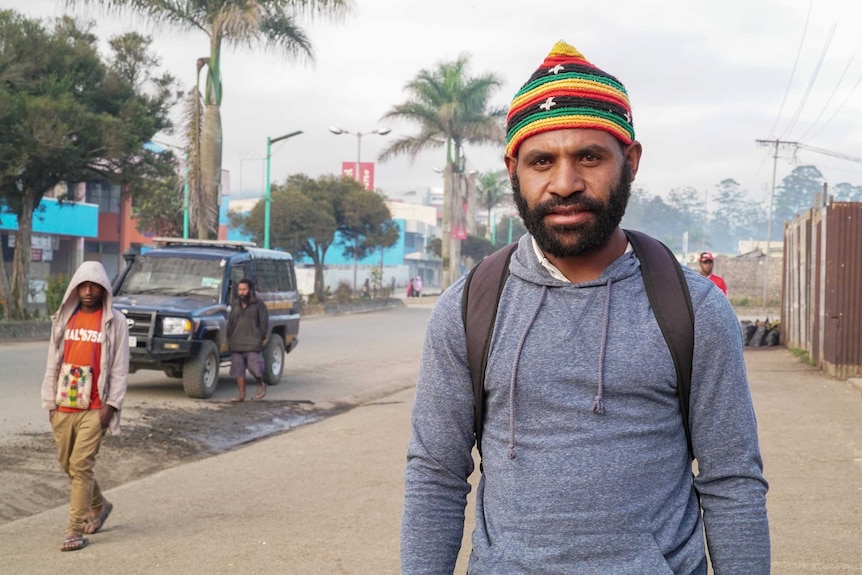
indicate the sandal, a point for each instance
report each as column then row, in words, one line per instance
column 73, row 542
column 94, row 525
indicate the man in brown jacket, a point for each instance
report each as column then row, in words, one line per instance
column 247, row 325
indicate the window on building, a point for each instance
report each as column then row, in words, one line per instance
column 101, row 247
column 104, row 195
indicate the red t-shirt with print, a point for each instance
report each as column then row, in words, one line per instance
column 82, row 345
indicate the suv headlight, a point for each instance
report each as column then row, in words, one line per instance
column 176, row 326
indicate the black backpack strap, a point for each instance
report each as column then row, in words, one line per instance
column 482, row 290
column 667, row 290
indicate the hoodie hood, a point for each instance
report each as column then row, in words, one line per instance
column 526, row 266
column 87, row 272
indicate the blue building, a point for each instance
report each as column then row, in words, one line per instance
column 408, row 258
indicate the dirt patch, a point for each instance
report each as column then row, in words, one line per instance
column 152, row 439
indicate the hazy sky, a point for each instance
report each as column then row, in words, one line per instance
column 705, row 79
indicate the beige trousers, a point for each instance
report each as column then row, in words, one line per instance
column 78, row 436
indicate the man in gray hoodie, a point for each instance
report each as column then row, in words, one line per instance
column 586, row 467
column 83, row 390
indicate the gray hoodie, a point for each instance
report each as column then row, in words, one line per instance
column 114, row 365
column 566, row 489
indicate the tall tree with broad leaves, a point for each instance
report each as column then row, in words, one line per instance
column 238, row 23
column 450, row 108
column 845, row 192
column 156, row 191
column 366, row 225
column 734, row 216
column 67, row 116
column 794, row 195
column 302, row 221
column 651, row 214
column 157, row 196
column 308, row 216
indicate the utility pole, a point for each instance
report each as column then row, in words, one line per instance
column 776, row 144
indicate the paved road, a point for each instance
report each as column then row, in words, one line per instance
column 338, row 357
column 811, row 439
column 326, row 498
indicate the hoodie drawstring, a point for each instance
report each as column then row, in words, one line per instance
column 598, row 404
column 511, row 450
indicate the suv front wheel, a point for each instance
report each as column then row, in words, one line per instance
column 200, row 372
column 273, row 359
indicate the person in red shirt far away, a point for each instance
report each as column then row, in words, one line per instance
column 706, row 262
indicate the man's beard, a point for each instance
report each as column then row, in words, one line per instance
column 578, row 239
column 245, row 298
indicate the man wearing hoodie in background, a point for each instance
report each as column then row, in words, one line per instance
column 83, row 390
column 585, row 463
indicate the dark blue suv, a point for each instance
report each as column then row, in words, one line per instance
column 176, row 299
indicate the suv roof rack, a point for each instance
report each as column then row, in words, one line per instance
column 194, row 242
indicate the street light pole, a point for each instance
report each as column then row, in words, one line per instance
column 358, row 160
column 338, row 131
column 267, row 195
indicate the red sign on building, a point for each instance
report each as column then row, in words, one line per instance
column 366, row 173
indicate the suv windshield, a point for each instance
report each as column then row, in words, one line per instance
column 174, row 277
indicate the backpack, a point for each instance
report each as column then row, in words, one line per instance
column 666, row 289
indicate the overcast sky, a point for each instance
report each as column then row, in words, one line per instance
column 705, row 78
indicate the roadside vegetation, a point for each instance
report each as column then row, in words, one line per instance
column 69, row 113
column 803, row 356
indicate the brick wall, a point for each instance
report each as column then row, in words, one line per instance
column 745, row 276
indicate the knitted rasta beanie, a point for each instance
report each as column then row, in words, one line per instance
column 568, row 92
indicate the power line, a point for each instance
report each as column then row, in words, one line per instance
column 830, row 153
column 813, row 79
column 832, row 117
column 829, row 100
column 793, row 71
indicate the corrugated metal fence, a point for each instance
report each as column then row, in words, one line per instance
column 821, row 303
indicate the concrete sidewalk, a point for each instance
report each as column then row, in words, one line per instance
column 326, row 498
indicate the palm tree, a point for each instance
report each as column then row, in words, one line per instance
column 271, row 23
column 450, row 108
column 492, row 188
